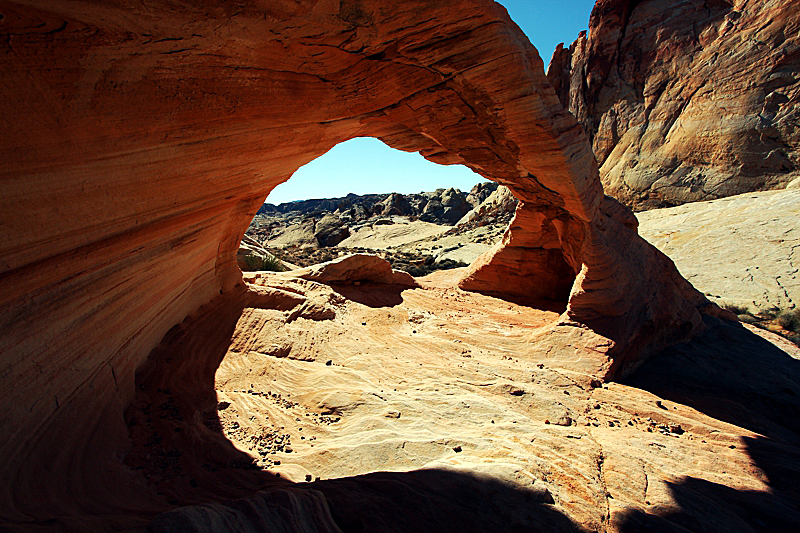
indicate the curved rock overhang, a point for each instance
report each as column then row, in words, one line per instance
column 139, row 139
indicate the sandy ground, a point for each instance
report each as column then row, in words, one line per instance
column 432, row 409
column 428, row 239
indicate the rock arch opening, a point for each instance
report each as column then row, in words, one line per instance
column 153, row 145
column 418, row 215
column 365, row 165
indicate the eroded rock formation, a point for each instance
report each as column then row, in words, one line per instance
column 355, row 268
column 498, row 202
column 687, row 100
column 404, row 430
column 140, row 138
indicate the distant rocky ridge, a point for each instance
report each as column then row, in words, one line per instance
column 687, row 100
column 417, row 233
column 442, row 206
column 328, row 221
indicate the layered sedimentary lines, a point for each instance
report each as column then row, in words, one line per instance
column 422, row 410
column 689, row 100
column 139, row 139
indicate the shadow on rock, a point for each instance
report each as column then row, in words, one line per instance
column 714, row 508
column 440, row 501
column 733, row 375
column 544, row 305
column 373, row 295
column 205, row 484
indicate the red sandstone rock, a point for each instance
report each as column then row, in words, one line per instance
column 687, row 100
column 139, row 139
column 355, row 268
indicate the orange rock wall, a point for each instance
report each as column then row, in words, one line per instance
column 139, row 139
column 687, row 100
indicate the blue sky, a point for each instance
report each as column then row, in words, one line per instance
column 365, row 166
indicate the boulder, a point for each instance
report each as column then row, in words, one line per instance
column 252, row 256
column 433, row 211
column 356, row 268
column 359, row 212
column 455, row 206
column 480, row 192
column 330, row 230
column 452, row 198
column 445, row 206
column 500, row 201
column 396, row 204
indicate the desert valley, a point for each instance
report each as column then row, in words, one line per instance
column 602, row 337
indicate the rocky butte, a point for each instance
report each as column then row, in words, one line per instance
column 138, row 141
column 687, row 100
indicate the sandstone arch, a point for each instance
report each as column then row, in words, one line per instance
column 139, row 139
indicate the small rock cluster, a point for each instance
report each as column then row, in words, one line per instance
column 267, row 440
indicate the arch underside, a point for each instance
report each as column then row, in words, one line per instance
column 132, row 170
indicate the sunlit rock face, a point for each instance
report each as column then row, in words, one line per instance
column 687, row 100
column 138, row 140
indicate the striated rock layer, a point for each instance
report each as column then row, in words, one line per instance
column 422, row 410
column 687, row 100
column 138, row 140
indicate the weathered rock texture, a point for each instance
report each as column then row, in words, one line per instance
column 138, row 140
column 498, row 202
column 742, row 251
column 251, row 256
column 687, row 100
column 404, row 430
column 329, row 231
column 355, row 268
